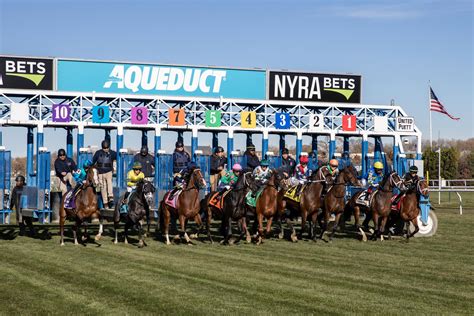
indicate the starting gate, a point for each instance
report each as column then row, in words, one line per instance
column 5, row 179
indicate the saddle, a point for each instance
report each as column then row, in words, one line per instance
column 291, row 193
column 173, row 202
column 252, row 201
column 124, row 206
column 70, row 198
column 364, row 198
column 396, row 206
column 217, row 199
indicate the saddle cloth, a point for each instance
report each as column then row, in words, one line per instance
column 173, row 202
column 396, row 207
column 291, row 193
column 124, row 206
column 252, row 201
column 70, row 200
column 217, row 199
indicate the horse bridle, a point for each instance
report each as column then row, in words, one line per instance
column 422, row 191
column 392, row 182
column 195, row 184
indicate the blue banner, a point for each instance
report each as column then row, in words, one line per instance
column 109, row 77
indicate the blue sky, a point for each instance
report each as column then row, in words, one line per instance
column 397, row 46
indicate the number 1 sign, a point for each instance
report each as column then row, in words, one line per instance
column 349, row 123
column 61, row 113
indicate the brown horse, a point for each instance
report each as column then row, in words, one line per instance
column 380, row 202
column 334, row 201
column 309, row 205
column 187, row 206
column 354, row 208
column 409, row 205
column 86, row 207
column 267, row 204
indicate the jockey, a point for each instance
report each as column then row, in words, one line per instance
column 134, row 176
column 409, row 180
column 302, row 174
column 230, row 178
column 80, row 176
column 262, row 173
column 330, row 171
column 375, row 176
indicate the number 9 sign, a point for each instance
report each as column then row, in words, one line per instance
column 139, row 115
column 100, row 114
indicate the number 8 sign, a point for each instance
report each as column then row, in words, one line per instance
column 139, row 115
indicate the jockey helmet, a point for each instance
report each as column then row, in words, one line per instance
column 144, row 151
column 237, row 167
column 137, row 166
column 334, row 163
column 20, row 178
column 87, row 163
column 304, row 159
column 105, row 144
column 264, row 163
column 414, row 169
column 285, row 151
column 219, row 149
column 179, row 144
column 61, row 152
column 250, row 147
column 378, row 165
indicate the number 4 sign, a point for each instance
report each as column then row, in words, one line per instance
column 349, row 123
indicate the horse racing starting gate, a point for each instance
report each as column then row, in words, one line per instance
column 87, row 94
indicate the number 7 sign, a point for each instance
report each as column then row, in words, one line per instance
column 349, row 123
column 176, row 117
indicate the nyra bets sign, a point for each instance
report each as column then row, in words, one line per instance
column 314, row 87
column 109, row 77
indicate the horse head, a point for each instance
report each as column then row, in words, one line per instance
column 422, row 187
column 92, row 177
column 197, row 178
column 349, row 175
column 249, row 181
column 392, row 179
column 146, row 189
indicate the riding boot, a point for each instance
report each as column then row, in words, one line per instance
column 399, row 196
column 298, row 189
column 110, row 204
column 172, row 193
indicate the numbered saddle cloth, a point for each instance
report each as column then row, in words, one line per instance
column 252, row 201
column 70, row 199
column 173, row 201
column 217, row 199
column 292, row 193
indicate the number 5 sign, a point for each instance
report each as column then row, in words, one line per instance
column 316, row 122
column 213, row 118
column 349, row 123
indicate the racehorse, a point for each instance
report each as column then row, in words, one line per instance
column 137, row 203
column 354, row 208
column 267, row 204
column 380, row 202
column 409, row 205
column 86, row 207
column 233, row 208
column 309, row 205
column 334, row 200
column 187, row 205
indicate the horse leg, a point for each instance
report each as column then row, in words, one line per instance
column 336, row 222
column 101, row 227
column 260, row 228
column 269, row 227
column 116, row 226
column 382, row 227
column 228, row 230
column 248, row 236
column 125, row 233
column 304, row 215
column 281, row 235
column 61, row 226
column 74, row 230
column 414, row 221
column 375, row 219
column 208, row 224
column 293, row 236
column 182, row 223
column 141, row 242
column 166, row 222
column 357, row 223
column 314, row 219
column 198, row 221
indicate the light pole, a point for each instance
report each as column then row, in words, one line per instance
column 439, row 175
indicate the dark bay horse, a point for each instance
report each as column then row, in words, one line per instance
column 138, row 202
column 86, row 207
column 187, row 206
column 231, row 201
column 267, row 204
column 380, row 203
column 409, row 206
column 334, row 200
column 309, row 205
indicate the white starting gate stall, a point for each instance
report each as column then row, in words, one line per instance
column 82, row 94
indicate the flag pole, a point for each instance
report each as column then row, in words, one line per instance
column 429, row 109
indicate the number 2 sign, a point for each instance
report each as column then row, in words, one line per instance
column 316, row 122
column 349, row 123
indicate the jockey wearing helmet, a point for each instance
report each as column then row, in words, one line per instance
column 329, row 171
column 80, row 176
column 375, row 175
column 409, row 180
column 230, row 178
column 262, row 173
column 302, row 173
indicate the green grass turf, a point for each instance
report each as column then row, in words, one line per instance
column 425, row 276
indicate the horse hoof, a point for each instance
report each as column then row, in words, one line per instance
column 177, row 237
column 97, row 237
column 168, row 243
column 364, row 238
column 76, row 243
column 231, row 241
column 125, row 241
column 280, row 236
column 62, row 243
column 115, row 241
column 248, row 240
column 193, row 236
column 140, row 244
column 294, row 238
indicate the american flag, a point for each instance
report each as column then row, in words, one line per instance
column 436, row 106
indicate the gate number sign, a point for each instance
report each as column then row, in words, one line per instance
column 176, row 117
column 139, row 115
column 213, row 118
column 100, row 114
column 248, row 119
column 316, row 122
column 282, row 120
column 349, row 123
column 61, row 113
